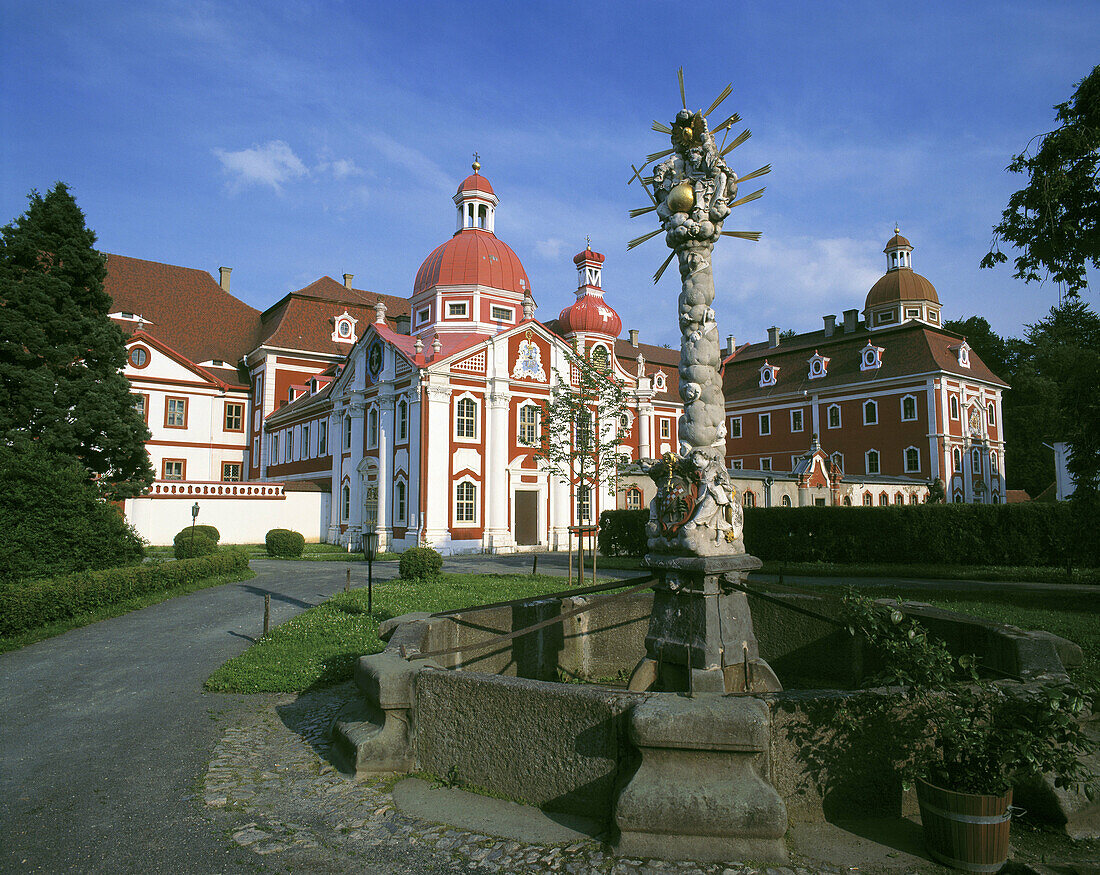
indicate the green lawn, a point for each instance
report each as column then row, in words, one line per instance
column 322, row 645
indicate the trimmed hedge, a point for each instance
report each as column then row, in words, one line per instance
column 209, row 531
column 34, row 603
column 192, row 546
column 960, row 534
column 284, row 542
column 419, row 563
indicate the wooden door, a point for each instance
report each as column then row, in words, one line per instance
column 527, row 517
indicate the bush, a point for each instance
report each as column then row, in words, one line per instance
column 419, row 563
column 209, row 531
column 622, row 532
column 284, row 542
column 200, row 544
column 959, row 534
column 37, row 602
column 53, row 521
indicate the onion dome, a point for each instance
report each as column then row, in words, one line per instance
column 589, row 314
column 900, row 288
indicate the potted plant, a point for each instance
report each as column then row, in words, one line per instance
column 965, row 739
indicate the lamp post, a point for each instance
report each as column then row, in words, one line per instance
column 370, row 543
column 194, row 516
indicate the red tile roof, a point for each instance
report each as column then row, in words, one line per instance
column 473, row 257
column 184, row 308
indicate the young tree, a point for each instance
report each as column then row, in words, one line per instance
column 581, row 429
column 1055, row 219
column 61, row 358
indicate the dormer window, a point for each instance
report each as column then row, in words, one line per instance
column 344, row 328
column 659, row 381
column 962, row 353
column 769, row 374
column 870, row 357
column 819, row 365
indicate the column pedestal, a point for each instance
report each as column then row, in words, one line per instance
column 700, row 636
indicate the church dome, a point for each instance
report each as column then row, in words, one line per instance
column 590, row 313
column 900, row 283
column 473, row 257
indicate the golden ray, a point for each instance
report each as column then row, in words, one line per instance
column 744, row 235
column 657, row 155
column 718, row 100
column 638, row 241
column 645, row 181
column 661, row 269
column 641, row 211
column 661, row 128
column 741, row 137
column 680, row 76
column 732, row 120
column 749, row 197
column 637, row 173
column 767, row 168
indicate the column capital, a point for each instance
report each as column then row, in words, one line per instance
column 499, row 399
column 437, row 393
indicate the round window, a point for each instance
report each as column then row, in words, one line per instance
column 139, row 357
column 344, row 328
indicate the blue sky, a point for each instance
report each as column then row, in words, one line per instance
column 292, row 140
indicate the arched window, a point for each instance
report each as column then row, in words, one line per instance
column 528, row 425
column 633, row 498
column 785, row 501
column 909, row 407
column 870, row 413
column 991, row 414
column 465, row 502
column 899, row 498
column 838, row 460
column 912, row 460
column 748, row 499
column 872, row 462
column 957, row 457
column 976, row 460
column 466, row 418
column 996, row 498
column 402, row 420
column 954, row 407
column 847, row 501
column 345, row 502
column 883, row 499
column 372, row 427
column 867, row 500
column 834, row 416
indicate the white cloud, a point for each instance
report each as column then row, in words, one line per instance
column 272, row 164
column 550, row 248
column 341, row 168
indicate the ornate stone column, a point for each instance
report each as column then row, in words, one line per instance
column 357, row 410
column 645, row 431
column 385, row 470
column 437, row 512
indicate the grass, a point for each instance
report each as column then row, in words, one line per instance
column 920, row 571
column 321, row 645
column 311, row 553
column 49, row 630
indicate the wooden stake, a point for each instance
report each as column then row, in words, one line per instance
column 347, row 582
column 267, row 612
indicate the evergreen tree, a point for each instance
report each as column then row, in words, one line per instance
column 1055, row 219
column 61, row 358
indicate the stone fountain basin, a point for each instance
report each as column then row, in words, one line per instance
column 501, row 718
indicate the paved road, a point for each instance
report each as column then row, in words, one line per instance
column 106, row 733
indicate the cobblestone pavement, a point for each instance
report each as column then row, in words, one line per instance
column 270, row 772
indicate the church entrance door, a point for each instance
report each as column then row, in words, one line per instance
column 527, row 517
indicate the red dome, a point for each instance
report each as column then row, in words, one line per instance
column 473, row 257
column 587, row 255
column 476, row 182
column 590, row 313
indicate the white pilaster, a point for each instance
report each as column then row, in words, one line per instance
column 385, row 469
column 437, row 512
column 497, row 438
column 645, row 431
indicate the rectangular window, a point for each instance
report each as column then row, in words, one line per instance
column 141, row 405
column 912, row 460
column 422, row 316
column 175, row 412
column 455, row 310
column 275, row 449
column 347, row 432
column 399, row 501
column 908, row 408
column 322, row 437
column 234, row 416
column 737, row 464
column 666, row 428
column 305, row 441
column 528, row 425
column 502, row 314
column 466, row 418
column 584, row 504
column 872, row 462
column 912, row 313
column 173, row 469
column 765, row 423
column 766, row 463
column 834, row 416
column 735, row 427
column 231, row 472
column 796, row 420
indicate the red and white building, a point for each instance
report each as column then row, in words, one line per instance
column 893, row 401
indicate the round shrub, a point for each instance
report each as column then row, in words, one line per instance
column 209, row 531
column 419, row 563
column 284, row 542
column 200, row 545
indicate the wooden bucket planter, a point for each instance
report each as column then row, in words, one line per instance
column 966, row 831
